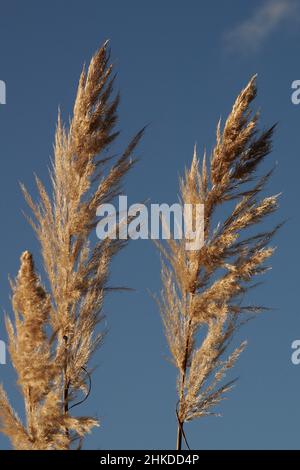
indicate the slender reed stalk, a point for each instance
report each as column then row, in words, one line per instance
column 53, row 334
column 201, row 302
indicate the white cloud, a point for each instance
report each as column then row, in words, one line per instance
column 251, row 33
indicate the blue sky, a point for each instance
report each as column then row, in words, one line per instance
column 180, row 66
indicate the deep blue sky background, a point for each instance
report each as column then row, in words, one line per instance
column 180, row 66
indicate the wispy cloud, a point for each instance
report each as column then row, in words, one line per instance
column 269, row 17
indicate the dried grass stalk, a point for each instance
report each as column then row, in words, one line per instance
column 53, row 334
column 201, row 299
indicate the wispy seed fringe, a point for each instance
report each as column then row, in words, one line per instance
column 53, row 334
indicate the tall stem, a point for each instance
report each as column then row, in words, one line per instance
column 66, row 383
column 182, row 386
column 179, row 436
column 66, row 339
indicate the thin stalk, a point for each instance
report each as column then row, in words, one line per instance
column 179, row 436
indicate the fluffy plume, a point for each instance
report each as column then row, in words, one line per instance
column 203, row 290
column 53, row 335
